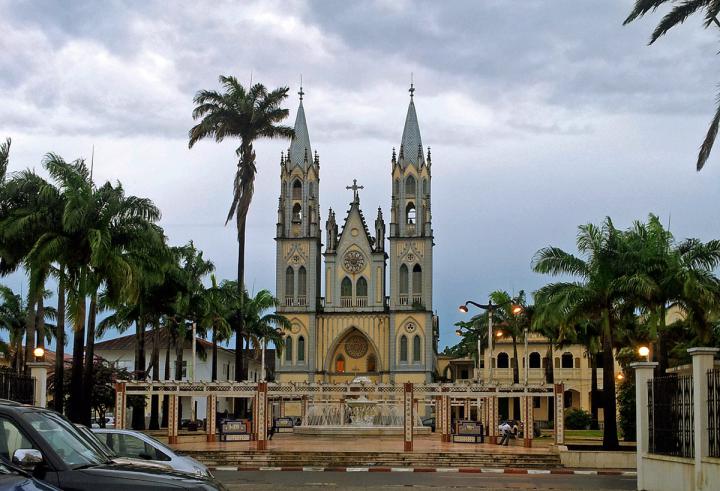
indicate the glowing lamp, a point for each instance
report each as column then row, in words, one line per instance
column 38, row 352
column 644, row 351
column 463, row 309
column 499, row 334
column 517, row 309
column 620, row 376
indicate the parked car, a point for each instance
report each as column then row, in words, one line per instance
column 108, row 420
column 93, row 439
column 12, row 477
column 45, row 444
column 138, row 445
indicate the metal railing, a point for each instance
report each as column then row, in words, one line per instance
column 300, row 301
column 713, row 381
column 18, row 388
column 670, row 416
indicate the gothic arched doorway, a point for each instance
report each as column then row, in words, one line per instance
column 358, row 354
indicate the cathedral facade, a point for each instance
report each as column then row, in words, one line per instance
column 368, row 323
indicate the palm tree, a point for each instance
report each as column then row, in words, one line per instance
column 214, row 317
column 595, row 296
column 248, row 115
column 677, row 15
column 262, row 322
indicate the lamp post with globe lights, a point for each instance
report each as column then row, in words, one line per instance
column 490, row 308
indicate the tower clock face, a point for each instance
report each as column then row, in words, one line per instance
column 353, row 261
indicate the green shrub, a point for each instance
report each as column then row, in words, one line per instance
column 577, row 419
column 626, row 409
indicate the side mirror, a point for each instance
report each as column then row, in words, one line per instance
column 27, row 458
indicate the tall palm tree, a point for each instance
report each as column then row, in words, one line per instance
column 676, row 16
column 262, row 321
column 214, row 317
column 594, row 296
column 247, row 114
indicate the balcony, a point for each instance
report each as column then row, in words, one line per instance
column 300, row 301
column 346, row 301
column 410, row 300
column 353, row 302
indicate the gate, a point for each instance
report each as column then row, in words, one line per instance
column 18, row 388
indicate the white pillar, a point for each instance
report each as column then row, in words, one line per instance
column 702, row 362
column 193, row 351
column 643, row 374
column 38, row 371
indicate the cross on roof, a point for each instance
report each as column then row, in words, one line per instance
column 355, row 188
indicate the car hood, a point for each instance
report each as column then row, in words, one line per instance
column 167, row 477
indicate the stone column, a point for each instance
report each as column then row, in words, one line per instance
column 446, row 416
column 38, row 371
column 408, row 419
column 466, row 409
column 120, row 403
column 211, row 418
column 492, row 419
column 304, row 408
column 559, row 392
column 282, row 408
column 526, row 407
column 172, row 419
column 261, row 422
column 643, row 374
column 702, row 362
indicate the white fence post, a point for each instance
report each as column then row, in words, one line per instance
column 643, row 374
column 702, row 361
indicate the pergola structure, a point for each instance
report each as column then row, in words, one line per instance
column 442, row 396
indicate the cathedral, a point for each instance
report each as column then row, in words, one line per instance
column 368, row 323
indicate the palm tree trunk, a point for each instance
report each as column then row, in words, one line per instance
column 29, row 332
column 40, row 323
column 516, row 379
column 610, row 439
column 76, row 388
column 213, row 375
column 240, row 404
column 166, row 399
column 662, row 344
column 88, row 382
column 179, row 348
column 138, row 415
column 59, row 392
column 155, row 400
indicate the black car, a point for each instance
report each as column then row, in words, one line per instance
column 14, row 478
column 45, row 444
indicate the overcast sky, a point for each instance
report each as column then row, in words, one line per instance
column 541, row 115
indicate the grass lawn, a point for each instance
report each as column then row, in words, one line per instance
column 583, row 434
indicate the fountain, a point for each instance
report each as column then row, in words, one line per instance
column 356, row 416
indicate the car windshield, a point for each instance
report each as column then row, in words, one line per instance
column 65, row 439
column 95, row 442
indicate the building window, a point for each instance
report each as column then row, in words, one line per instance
column 403, row 349
column 410, row 186
column 410, row 213
column 417, row 348
column 426, row 190
column 302, row 281
column 340, row 364
column 417, row 280
column 396, row 188
column 184, row 369
column 288, row 348
column 346, row 287
column 289, row 282
column 503, row 360
column 534, row 359
column 297, row 189
column 301, row 349
column 404, row 280
column 297, row 213
column 566, row 360
column 536, row 402
column 371, row 363
column 361, row 287
column 312, row 189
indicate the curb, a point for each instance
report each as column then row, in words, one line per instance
column 473, row 470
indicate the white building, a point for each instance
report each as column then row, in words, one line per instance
column 121, row 352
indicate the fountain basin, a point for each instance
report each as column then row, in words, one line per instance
column 356, row 430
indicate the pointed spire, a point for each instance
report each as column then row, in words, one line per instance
column 411, row 135
column 300, row 144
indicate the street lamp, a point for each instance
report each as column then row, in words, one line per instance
column 490, row 307
column 644, row 351
column 39, row 352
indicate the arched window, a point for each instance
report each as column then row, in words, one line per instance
column 289, row 282
column 371, row 363
column 410, row 186
column 340, row 364
column 566, row 361
column 311, row 189
column 302, row 281
column 404, row 280
column 426, row 189
column 288, row 349
column 361, row 287
column 417, row 280
column 403, row 349
column 297, row 189
column 396, row 188
column 503, row 360
column 301, row 349
column 346, row 287
column 410, row 213
column 417, row 348
column 297, row 213
column 534, row 359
